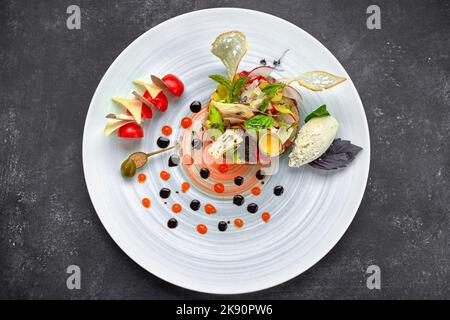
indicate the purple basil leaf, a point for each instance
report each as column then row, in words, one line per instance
column 338, row 155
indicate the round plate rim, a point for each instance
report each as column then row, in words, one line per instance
column 211, row 289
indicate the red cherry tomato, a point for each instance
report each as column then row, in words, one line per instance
column 160, row 101
column 130, row 130
column 146, row 112
column 174, row 84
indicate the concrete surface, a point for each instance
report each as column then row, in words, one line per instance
column 49, row 74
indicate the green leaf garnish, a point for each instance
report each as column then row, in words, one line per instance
column 237, row 86
column 271, row 89
column 263, row 107
column 319, row 112
column 259, row 122
column 223, row 81
column 233, row 88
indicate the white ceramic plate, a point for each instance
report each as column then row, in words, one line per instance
column 307, row 221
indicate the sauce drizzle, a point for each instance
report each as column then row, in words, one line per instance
column 163, row 142
column 222, row 226
column 176, row 208
column 142, row 177
column 252, row 208
column 256, row 191
column 164, row 175
column 210, row 209
column 202, row 229
column 164, row 193
column 166, row 130
column 238, row 200
column 172, row 223
column 146, row 202
column 174, row 160
column 239, row 223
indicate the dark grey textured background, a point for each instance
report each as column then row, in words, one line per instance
column 49, row 74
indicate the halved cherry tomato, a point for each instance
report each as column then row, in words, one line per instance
column 160, row 101
column 174, row 84
column 146, row 112
column 130, row 130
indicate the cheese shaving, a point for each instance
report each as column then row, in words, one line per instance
column 134, row 106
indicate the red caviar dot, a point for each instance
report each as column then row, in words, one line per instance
column 186, row 122
column 219, row 187
column 201, row 228
column 188, row 160
column 238, row 223
column 223, row 168
column 256, row 191
column 166, row 130
column 210, row 209
column 265, row 216
column 176, row 207
column 146, row 202
column 164, row 175
column 142, row 177
column 185, row 186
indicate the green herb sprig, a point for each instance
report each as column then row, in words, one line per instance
column 233, row 88
column 270, row 91
column 259, row 122
column 319, row 112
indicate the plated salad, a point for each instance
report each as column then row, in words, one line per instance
column 228, row 144
column 256, row 105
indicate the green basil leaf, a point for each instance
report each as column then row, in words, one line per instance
column 319, row 112
column 259, row 122
column 263, row 107
column 237, row 86
column 223, row 81
column 271, row 89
